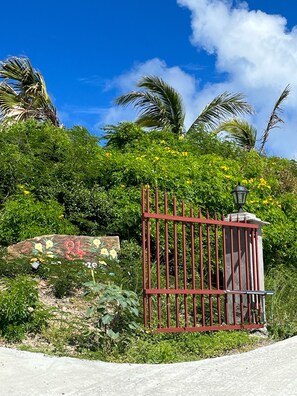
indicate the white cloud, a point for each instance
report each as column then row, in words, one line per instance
column 259, row 55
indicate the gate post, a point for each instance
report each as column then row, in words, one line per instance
column 244, row 269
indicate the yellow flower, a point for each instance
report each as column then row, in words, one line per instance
column 104, row 252
column 228, row 177
column 162, row 142
column 138, row 158
column 61, row 216
column 224, row 167
column 244, row 181
column 265, row 201
column 157, row 158
column 26, row 192
column 185, row 153
column 189, row 182
column 38, row 247
column 97, row 242
column 113, row 253
column 263, row 183
column 49, row 244
column 108, row 154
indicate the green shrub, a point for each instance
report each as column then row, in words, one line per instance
column 115, row 310
column 23, row 217
column 281, row 308
column 13, row 268
column 20, row 310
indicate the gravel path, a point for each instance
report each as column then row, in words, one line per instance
column 270, row 370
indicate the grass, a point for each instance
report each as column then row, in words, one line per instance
column 70, row 339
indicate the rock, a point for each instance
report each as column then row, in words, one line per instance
column 70, row 247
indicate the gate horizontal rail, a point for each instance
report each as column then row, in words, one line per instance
column 147, row 215
column 209, row 328
column 207, row 291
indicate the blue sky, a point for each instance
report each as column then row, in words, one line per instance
column 91, row 51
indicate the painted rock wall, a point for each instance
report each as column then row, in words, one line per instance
column 70, row 247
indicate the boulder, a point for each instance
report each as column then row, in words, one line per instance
column 70, row 247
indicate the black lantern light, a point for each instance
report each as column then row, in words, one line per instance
column 239, row 195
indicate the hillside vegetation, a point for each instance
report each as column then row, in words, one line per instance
column 56, row 180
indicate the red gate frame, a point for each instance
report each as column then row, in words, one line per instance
column 207, row 295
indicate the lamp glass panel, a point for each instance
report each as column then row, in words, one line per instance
column 241, row 197
column 235, row 197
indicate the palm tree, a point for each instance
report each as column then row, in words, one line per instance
column 160, row 106
column 245, row 135
column 23, row 93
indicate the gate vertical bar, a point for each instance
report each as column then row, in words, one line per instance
column 254, row 276
column 201, row 268
column 167, row 260
column 217, row 270
column 247, row 270
column 149, row 275
column 225, row 272
column 193, row 267
column 185, row 275
column 175, row 264
column 232, row 274
column 258, row 304
column 144, row 257
column 158, row 257
column 240, row 275
column 209, row 269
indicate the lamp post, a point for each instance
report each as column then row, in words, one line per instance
column 239, row 195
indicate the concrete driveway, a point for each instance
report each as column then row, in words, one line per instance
column 270, row 370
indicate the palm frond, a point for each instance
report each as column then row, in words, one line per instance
column 23, row 92
column 220, row 108
column 172, row 101
column 240, row 132
column 274, row 118
column 158, row 104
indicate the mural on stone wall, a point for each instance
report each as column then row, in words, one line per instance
column 70, row 247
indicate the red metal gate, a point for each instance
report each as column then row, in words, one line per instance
column 198, row 273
